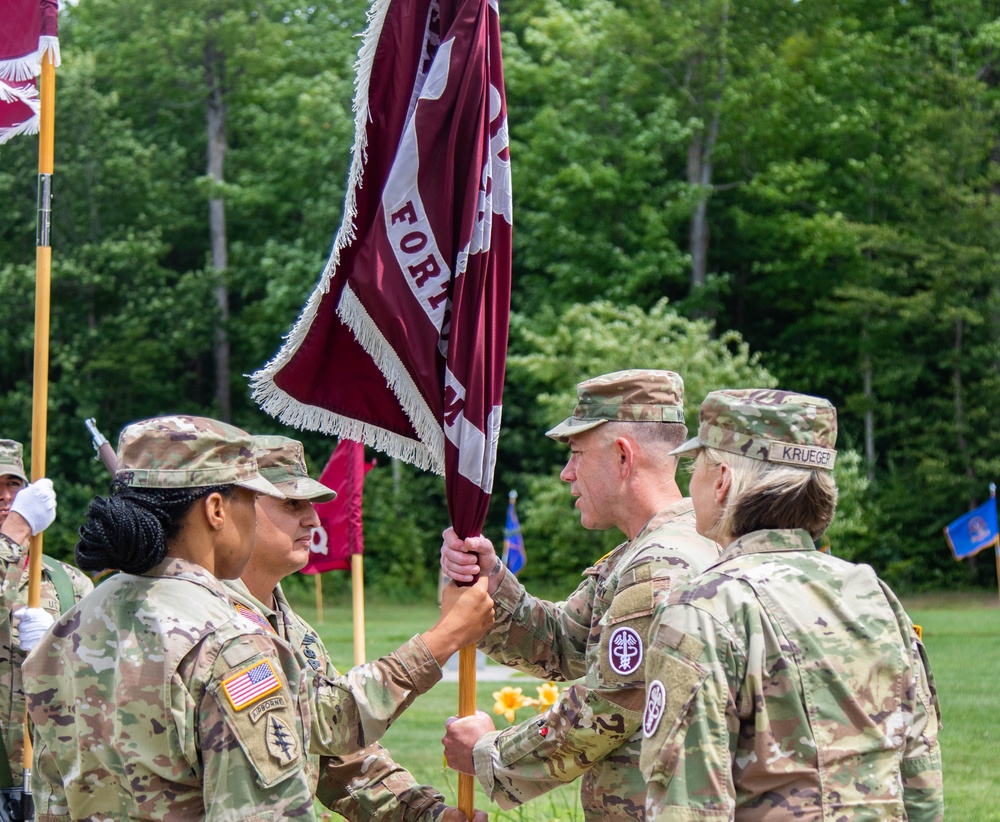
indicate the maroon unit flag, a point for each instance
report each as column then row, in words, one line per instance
column 340, row 534
column 29, row 30
column 403, row 343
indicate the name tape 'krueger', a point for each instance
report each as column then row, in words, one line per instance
column 806, row 455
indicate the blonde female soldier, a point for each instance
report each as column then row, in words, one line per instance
column 783, row 683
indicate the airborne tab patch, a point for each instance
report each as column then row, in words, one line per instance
column 251, row 684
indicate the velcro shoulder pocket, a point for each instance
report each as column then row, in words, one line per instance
column 673, row 679
column 624, row 634
column 262, row 711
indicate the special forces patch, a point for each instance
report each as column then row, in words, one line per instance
column 656, row 698
column 625, row 650
column 281, row 741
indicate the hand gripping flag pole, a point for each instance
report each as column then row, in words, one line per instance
column 403, row 344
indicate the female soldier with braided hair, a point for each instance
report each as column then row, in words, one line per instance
column 154, row 698
column 138, row 693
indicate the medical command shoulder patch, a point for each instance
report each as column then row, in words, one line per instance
column 655, row 701
column 625, row 651
column 251, row 684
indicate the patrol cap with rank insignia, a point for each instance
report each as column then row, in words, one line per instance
column 637, row 395
column 768, row 424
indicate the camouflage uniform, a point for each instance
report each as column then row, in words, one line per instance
column 593, row 730
column 783, row 682
column 14, row 593
column 134, row 698
column 364, row 785
column 154, row 698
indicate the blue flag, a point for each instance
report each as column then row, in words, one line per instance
column 969, row 534
column 513, row 543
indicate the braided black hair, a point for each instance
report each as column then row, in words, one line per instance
column 131, row 529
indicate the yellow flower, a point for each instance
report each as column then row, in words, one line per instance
column 548, row 693
column 508, row 700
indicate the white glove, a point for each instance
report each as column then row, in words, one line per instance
column 37, row 504
column 32, row 623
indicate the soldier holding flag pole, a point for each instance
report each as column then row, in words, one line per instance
column 619, row 470
column 403, row 344
column 30, row 46
column 367, row 784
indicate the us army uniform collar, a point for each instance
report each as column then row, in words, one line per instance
column 767, row 542
column 247, row 605
column 675, row 509
column 188, row 571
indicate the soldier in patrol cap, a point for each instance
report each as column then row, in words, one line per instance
column 622, row 475
column 783, row 682
column 154, row 698
column 368, row 784
column 24, row 510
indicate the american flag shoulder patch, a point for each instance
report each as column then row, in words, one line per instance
column 254, row 617
column 251, row 684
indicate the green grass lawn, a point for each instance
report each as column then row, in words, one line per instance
column 962, row 634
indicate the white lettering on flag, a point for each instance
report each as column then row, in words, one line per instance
column 494, row 189
column 424, row 267
column 320, row 541
column 477, row 452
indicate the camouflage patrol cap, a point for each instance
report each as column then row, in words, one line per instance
column 188, row 452
column 282, row 462
column 12, row 459
column 624, row 396
column 770, row 425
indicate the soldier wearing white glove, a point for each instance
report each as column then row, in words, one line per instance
column 31, row 624
column 36, row 504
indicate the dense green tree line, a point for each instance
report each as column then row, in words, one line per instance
column 770, row 192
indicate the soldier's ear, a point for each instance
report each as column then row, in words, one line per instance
column 215, row 510
column 723, row 483
column 625, row 454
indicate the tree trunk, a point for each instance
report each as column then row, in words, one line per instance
column 956, row 384
column 699, row 170
column 700, row 157
column 215, row 121
column 866, row 375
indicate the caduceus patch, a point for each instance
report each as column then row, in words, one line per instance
column 625, row 651
column 655, row 700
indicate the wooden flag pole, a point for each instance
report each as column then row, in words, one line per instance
column 319, row 598
column 466, row 707
column 43, row 280
column 358, row 606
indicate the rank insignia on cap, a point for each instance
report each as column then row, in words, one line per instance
column 254, row 617
column 251, row 684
